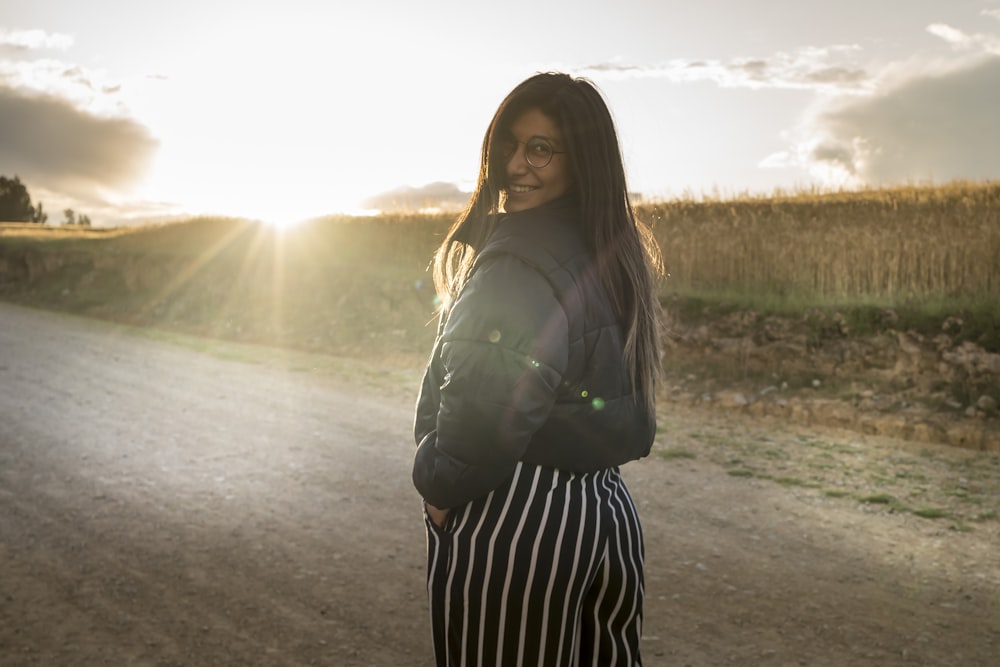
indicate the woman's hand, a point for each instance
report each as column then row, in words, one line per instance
column 437, row 515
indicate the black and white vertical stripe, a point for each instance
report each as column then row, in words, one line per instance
column 545, row 570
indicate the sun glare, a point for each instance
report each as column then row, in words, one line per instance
column 282, row 224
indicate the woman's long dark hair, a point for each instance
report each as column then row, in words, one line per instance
column 628, row 259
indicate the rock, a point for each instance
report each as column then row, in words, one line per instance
column 973, row 359
column 942, row 342
column 986, row 403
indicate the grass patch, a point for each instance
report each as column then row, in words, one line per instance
column 889, row 501
column 830, row 315
column 827, row 449
column 741, row 472
column 931, row 513
column 878, row 499
column 912, row 476
column 675, row 453
column 961, row 494
column 836, row 493
column 795, row 481
column 712, row 439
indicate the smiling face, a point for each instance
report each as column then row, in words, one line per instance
column 528, row 186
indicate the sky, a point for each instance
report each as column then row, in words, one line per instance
column 133, row 111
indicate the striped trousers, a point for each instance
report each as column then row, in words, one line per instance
column 545, row 571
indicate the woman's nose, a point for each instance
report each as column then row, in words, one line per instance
column 516, row 163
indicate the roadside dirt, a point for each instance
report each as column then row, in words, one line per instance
column 174, row 501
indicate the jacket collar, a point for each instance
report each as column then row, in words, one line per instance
column 562, row 206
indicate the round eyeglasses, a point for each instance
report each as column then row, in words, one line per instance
column 537, row 151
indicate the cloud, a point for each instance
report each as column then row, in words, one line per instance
column 961, row 41
column 31, row 40
column 65, row 129
column 87, row 89
column 437, row 195
column 48, row 140
column 812, row 68
column 936, row 127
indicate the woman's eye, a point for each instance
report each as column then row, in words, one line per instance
column 539, row 148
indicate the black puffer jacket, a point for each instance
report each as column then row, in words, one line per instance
column 528, row 365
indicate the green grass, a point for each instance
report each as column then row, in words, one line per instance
column 675, row 453
column 795, row 481
column 878, row 499
column 931, row 513
column 862, row 317
column 889, row 501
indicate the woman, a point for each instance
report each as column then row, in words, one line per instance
column 540, row 384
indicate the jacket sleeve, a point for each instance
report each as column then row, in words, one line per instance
column 504, row 351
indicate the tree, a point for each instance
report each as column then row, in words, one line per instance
column 15, row 202
column 83, row 221
column 39, row 215
column 70, row 217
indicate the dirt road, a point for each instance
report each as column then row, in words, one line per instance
column 169, row 501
